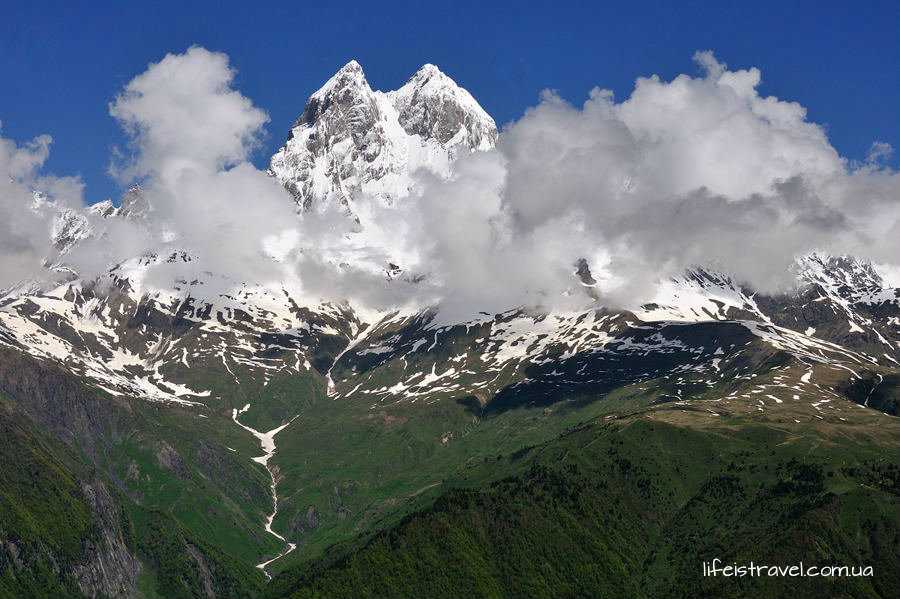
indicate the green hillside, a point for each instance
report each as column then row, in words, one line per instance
column 631, row 508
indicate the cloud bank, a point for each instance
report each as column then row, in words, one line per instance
column 25, row 220
column 700, row 170
column 697, row 171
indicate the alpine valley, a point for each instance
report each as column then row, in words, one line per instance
column 236, row 439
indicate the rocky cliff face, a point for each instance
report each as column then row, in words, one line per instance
column 109, row 568
column 351, row 139
column 61, row 529
column 432, row 106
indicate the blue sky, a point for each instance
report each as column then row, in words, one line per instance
column 60, row 64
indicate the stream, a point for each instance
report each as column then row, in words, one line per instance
column 267, row 441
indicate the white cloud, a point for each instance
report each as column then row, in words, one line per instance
column 700, row 170
column 879, row 151
column 183, row 115
column 191, row 135
column 693, row 171
column 25, row 225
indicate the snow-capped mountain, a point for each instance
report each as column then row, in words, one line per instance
column 432, row 106
column 69, row 226
column 351, row 139
column 122, row 336
column 126, row 337
column 236, row 354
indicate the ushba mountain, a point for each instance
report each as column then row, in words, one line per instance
column 349, row 140
column 125, row 337
column 352, row 140
column 241, row 361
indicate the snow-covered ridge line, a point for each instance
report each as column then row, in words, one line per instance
column 35, row 323
column 125, row 337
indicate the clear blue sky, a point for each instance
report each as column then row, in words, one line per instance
column 61, row 64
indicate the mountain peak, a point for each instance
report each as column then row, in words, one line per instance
column 428, row 70
column 103, row 209
column 349, row 75
column 432, row 105
column 431, row 77
column 375, row 140
column 347, row 86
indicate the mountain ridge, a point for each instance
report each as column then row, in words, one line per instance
column 375, row 409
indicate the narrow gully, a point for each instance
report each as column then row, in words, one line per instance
column 267, row 442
